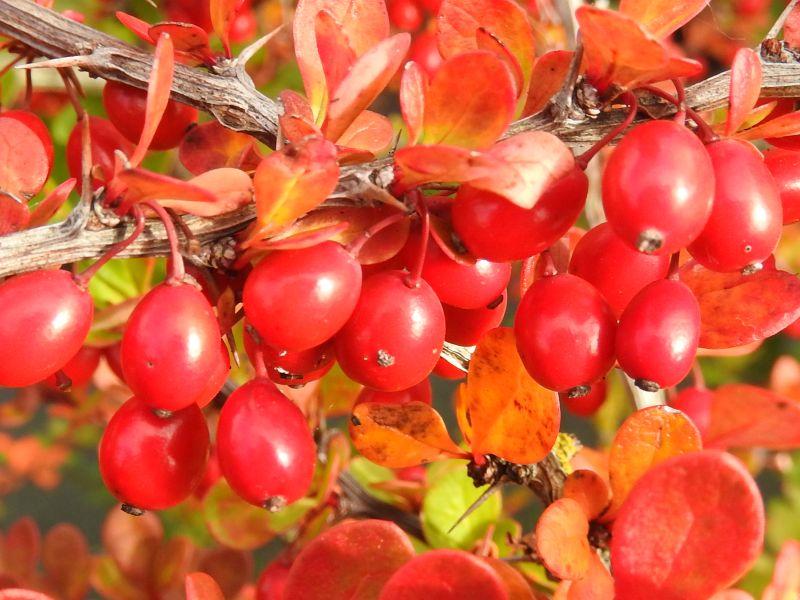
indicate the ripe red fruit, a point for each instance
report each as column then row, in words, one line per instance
column 126, row 107
column 466, row 326
column 405, row 14
column 493, row 228
column 784, row 165
column 588, row 404
column 658, row 335
column 80, row 367
column 264, row 446
column 292, row 368
column 613, row 267
column 172, row 352
column 416, row 393
column 113, row 356
column 46, row 318
column 152, row 462
column 658, row 188
column 272, row 580
column 565, row 333
column 105, row 141
column 448, row 371
column 745, row 224
column 424, row 51
column 394, row 337
column 298, row 299
column 695, row 403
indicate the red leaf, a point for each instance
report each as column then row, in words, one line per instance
column 365, row 81
column 132, row 543
column 785, row 582
column 305, row 239
column 200, row 586
column 21, row 594
column 334, row 49
column 662, row 17
column 745, row 88
column 369, row 133
column 66, row 560
column 212, row 146
column 14, row 215
column 190, row 41
column 223, row 13
column 474, row 111
column 445, row 575
column 45, row 210
column 24, row 159
column 351, row 560
column 158, row 90
column 146, row 185
column 691, row 527
column 779, row 127
column 737, row 309
column 413, row 89
column 746, row 416
column 489, row 42
column 231, row 189
column 19, row 551
column 140, row 28
column 589, row 490
column 561, row 539
column 458, row 22
column 596, row 585
column 548, row 76
column 296, row 122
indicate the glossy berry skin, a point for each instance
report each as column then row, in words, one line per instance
column 126, row 107
column 466, row 326
column 298, row 299
column 784, row 165
column 79, row 369
column 658, row 334
column 394, row 337
column 493, row 228
column 447, row 371
column 657, row 187
column 416, row 393
column 588, row 404
column 153, row 462
column 565, row 332
column 424, row 50
column 293, row 368
column 105, row 141
column 618, row 271
column 172, row 353
column 406, row 15
column 695, row 403
column 272, row 580
column 264, row 445
column 46, row 318
column 745, row 225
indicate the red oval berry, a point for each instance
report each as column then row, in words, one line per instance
column 152, row 462
column 658, row 335
column 658, row 188
column 105, row 141
column 695, row 403
column 448, row 371
column 565, row 333
column 493, row 228
column 126, row 107
column 745, row 225
column 466, row 326
column 588, row 404
column 298, row 299
column 405, row 14
column 46, row 318
column 416, row 393
column 172, row 353
column 286, row 367
column 264, row 445
column 394, row 337
column 784, row 165
column 272, row 580
column 79, row 369
column 618, row 271
column 424, row 51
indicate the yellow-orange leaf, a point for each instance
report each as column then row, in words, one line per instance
column 401, row 435
column 662, row 17
column 589, row 490
column 561, row 539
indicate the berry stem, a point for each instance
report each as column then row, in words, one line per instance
column 82, row 279
column 697, row 375
column 633, row 105
column 704, row 130
column 526, row 273
column 412, row 280
column 680, row 116
column 177, row 272
column 360, row 241
column 674, row 264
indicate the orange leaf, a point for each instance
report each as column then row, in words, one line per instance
column 223, row 12
column 413, row 88
column 589, row 490
column 746, row 416
column 401, row 435
column 548, row 76
column 304, row 239
column 490, row 43
column 212, row 146
column 14, row 215
column 561, row 540
column 19, row 550
column 200, row 586
column 231, row 189
column 462, row 406
column 45, row 210
column 144, row 185
column 297, row 121
column 291, row 182
column 596, row 585
column 737, row 309
column 232, row 521
column 190, row 41
column 370, row 132
column 782, row 126
column 334, row 49
column 662, row 17
column 517, row 586
column 791, row 28
column 66, row 560
column 24, row 159
column 512, row 416
column 744, row 89
column 140, row 28
column 646, row 438
column 785, row 583
column 132, row 543
column 474, row 111
column 158, row 90
column 459, row 20
column 367, row 78
column 22, row 594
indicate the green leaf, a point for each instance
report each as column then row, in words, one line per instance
column 448, row 498
column 366, row 473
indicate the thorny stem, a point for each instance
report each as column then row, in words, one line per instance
column 82, row 279
column 706, row 133
column 359, row 242
column 633, row 106
column 561, row 103
column 177, row 271
column 412, row 280
column 777, row 26
column 74, row 94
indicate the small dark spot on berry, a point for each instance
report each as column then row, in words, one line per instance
column 649, row 241
column 132, row 510
column 355, row 420
column 495, row 303
column 385, row 359
column 274, row 504
column 162, row 414
column 751, row 269
column 149, row 364
column 647, row 385
column 579, row 391
column 748, row 248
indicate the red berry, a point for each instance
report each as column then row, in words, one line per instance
column 588, row 404
column 172, row 352
column 416, row 393
column 613, row 267
column 113, row 356
column 126, row 107
column 272, row 580
column 152, row 462
column 695, row 403
column 658, row 188
column 244, row 26
column 784, row 165
column 46, row 318
column 105, row 141
column 405, row 14
column 286, row 367
column 211, row 475
column 745, row 224
column 448, row 371
column 432, row 6
column 424, row 51
column 80, row 367
column 298, row 299
column 793, row 330
column 394, row 337
column 565, row 333
column 658, row 335
column 264, row 445
column 466, row 326
column 493, row 228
